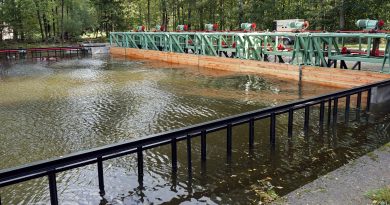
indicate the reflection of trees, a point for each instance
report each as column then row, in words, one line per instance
column 4, row 67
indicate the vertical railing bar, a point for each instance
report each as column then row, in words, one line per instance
column 335, row 109
column 174, row 154
column 189, row 160
column 100, row 175
column 359, row 101
column 140, row 164
column 251, row 132
column 368, row 100
column 306, row 120
column 329, row 111
column 272, row 128
column 322, row 112
column 203, row 145
column 229, row 140
column 358, row 105
column 347, row 107
column 53, row 188
column 290, row 122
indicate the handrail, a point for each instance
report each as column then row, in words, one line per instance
column 98, row 155
column 307, row 48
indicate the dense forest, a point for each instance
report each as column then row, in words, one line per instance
column 56, row 20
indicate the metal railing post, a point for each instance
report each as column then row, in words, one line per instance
column 53, row 188
column 322, row 112
column 203, row 145
column 251, row 132
column 306, row 120
column 359, row 101
column 329, row 111
column 290, row 122
column 140, row 164
column 272, row 128
column 335, row 109
column 189, row 161
column 174, row 154
column 229, row 140
column 347, row 107
column 368, row 100
column 100, row 175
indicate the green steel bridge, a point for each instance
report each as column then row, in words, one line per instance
column 315, row 49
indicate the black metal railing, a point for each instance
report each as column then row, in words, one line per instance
column 96, row 156
column 39, row 53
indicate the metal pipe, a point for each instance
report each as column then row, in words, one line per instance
column 203, row 145
column 251, row 133
column 272, row 129
column 100, row 175
column 53, row 188
column 229, row 140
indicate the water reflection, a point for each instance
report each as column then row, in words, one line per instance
column 53, row 109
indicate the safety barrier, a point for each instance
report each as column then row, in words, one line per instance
column 50, row 168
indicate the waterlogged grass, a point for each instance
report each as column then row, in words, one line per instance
column 380, row 196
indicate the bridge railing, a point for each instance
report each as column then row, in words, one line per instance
column 316, row 49
column 50, row 168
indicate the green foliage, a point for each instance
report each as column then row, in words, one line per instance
column 380, row 196
column 42, row 19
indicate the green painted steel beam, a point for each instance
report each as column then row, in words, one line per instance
column 316, row 49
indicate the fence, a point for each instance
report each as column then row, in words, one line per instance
column 49, row 168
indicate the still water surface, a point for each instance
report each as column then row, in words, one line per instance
column 49, row 109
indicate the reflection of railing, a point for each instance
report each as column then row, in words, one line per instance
column 51, row 167
column 39, row 53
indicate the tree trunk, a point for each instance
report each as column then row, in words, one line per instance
column 178, row 12
column 57, row 23
column 16, row 33
column 201, row 22
column 189, row 11
column 62, row 21
column 53, row 22
column 342, row 15
column 45, row 25
column 240, row 13
column 149, row 14
column 40, row 21
column 164, row 14
column 222, row 15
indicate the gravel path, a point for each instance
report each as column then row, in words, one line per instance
column 348, row 184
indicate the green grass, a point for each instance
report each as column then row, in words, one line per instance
column 380, row 196
column 373, row 156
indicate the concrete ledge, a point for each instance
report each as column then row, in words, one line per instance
column 325, row 76
column 348, row 184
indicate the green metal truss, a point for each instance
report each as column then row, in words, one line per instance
column 315, row 49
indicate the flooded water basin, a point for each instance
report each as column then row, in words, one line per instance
column 50, row 109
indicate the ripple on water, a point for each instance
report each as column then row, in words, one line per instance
column 50, row 110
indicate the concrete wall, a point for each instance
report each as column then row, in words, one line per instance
column 326, row 76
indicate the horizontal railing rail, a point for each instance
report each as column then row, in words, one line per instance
column 36, row 53
column 314, row 49
column 51, row 167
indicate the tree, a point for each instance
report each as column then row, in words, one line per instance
column 48, row 20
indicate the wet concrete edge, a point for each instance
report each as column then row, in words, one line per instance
column 348, row 184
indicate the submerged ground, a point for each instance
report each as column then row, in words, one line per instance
column 49, row 109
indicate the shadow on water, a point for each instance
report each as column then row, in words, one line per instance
column 78, row 105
